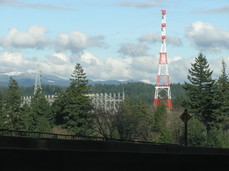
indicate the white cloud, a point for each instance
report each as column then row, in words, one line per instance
column 178, row 68
column 206, row 37
column 25, row 4
column 110, row 68
column 140, row 68
column 216, row 63
column 150, row 38
column 11, row 58
column 155, row 38
column 144, row 68
column 89, row 59
column 77, row 41
column 64, row 70
column 14, row 62
column 117, row 68
column 34, row 37
column 220, row 10
column 131, row 49
column 57, row 58
column 140, row 4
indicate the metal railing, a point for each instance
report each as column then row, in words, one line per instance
column 43, row 135
column 166, row 147
column 70, row 137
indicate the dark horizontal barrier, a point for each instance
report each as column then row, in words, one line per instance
column 45, row 151
column 43, row 135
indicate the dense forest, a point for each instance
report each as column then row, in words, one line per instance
column 72, row 112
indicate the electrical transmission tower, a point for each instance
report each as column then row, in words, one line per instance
column 37, row 80
column 162, row 88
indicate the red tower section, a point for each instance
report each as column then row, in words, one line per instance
column 162, row 88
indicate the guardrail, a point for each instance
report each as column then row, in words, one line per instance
column 43, row 135
column 162, row 146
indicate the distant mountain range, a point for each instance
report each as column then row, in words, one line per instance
column 28, row 79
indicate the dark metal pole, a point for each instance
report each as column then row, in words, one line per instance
column 185, row 133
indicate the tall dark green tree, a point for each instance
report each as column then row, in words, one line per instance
column 221, row 97
column 77, row 114
column 165, row 137
column 58, row 109
column 3, row 117
column 200, row 91
column 160, row 118
column 41, row 118
column 197, row 133
column 216, row 138
column 14, row 118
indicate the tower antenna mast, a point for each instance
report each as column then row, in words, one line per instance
column 162, row 88
column 37, row 80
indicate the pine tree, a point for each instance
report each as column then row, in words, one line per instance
column 77, row 104
column 146, row 124
column 40, row 116
column 215, row 138
column 197, row 133
column 127, row 121
column 14, row 119
column 160, row 118
column 221, row 97
column 58, row 108
column 200, row 91
column 3, row 118
column 26, row 113
column 165, row 137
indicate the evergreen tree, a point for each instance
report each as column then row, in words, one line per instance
column 197, row 133
column 221, row 98
column 166, row 137
column 160, row 117
column 127, row 121
column 14, row 119
column 200, row 91
column 215, row 138
column 77, row 114
column 40, row 116
column 58, row 108
column 26, row 113
column 3, row 118
column 146, row 123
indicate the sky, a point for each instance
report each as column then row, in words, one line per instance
column 112, row 40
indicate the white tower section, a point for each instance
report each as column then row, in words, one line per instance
column 37, row 80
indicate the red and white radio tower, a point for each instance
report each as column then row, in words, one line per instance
column 162, row 88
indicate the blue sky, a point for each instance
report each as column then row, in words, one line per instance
column 115, row 39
